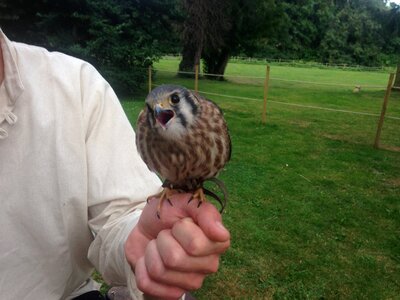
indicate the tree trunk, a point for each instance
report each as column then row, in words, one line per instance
column 191, row 55
column 215, row 63
column 193, row 40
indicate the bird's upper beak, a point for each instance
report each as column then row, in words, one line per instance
column 163, row 114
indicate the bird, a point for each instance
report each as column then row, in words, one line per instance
column 184, row 138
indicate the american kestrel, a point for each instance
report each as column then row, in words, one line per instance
column 184, row 138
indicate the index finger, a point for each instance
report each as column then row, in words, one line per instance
column 209, row 220
column 193, row 240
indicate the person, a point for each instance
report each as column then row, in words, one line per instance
column 73, row 191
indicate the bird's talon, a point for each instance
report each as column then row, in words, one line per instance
column 169, row 201
column 158, row 215
column 162, row 109
column 199, row 204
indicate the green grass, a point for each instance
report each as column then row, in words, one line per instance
column 314, row 209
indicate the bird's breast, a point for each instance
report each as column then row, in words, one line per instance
column 196, row 155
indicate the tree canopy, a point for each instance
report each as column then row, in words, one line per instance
column 361, row 32
column 364, row 32
column 122, row 37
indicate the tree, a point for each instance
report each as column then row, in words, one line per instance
column 216, row 29
column 335, row 31
column 391, row 26
column 353, row 37
column 205, row 25
column 120, row 37
column 248, row 22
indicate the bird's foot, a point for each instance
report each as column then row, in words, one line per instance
column 163, row 195
column 199, row 194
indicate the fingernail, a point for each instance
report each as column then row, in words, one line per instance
column 220, row 225
column 188, row 219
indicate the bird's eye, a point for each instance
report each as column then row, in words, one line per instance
column 175, row 99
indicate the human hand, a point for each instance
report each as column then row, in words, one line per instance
column 174, row 254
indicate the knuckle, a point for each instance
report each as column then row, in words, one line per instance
column 194, row 247
column 176, row 295
column 142, row 283
column 196, row 283
column 163, row 234
column 213, row 267
column 153, row 266
column 172, row 259
column 226, row 246
column 155, row 270
column 171, row 255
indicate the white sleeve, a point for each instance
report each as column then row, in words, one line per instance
column 119, row 182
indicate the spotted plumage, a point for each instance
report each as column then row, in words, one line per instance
column 183, row 137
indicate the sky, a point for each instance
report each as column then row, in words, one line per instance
column 395, row 1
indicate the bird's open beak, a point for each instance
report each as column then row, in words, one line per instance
column 162, row 115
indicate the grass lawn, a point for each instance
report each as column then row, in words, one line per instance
column 314, row 209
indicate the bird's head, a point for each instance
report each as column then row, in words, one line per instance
column 171, row 109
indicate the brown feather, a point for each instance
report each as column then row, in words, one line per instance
column 200, row 154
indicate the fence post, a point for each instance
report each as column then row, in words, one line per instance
column 196, row 79
column 266, row 82
column 383, row 112
column 150, row 79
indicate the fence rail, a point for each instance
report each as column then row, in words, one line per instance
column 274, row 78
column 300, row 63
column 266, row 80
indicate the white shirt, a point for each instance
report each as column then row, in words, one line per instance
column 69, row 171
